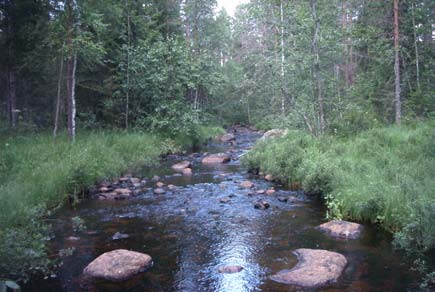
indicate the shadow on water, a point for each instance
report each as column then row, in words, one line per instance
column 190, row 233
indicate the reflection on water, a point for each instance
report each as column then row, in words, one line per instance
column 190, row 233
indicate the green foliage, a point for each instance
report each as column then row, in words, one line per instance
column 38, row 175
column 383, row 175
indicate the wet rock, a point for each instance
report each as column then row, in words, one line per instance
column 283, row 199
column 224, row 200
column 159, row 191
column 72, row 238
column 137, row 185
column 119, row 235
column 181, row 165
column 114, row 195
column 315, row 268
column 247, row 184
column 159, row 184
column 274, row 133
column 122, row 191
column 156, row 178
column 230, row 269
column 260, row 192
column 103, row 189
column 187, row 171
column 227, row 138
column 134, row 180
column 342, row 229
column 172, row 187
column 123, row 179
column 216, row 158
column 269, row 177
column 261, row 204
column 270, row 192
column 118, row 265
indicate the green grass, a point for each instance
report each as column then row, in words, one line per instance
column 384, row 175
column 37, row 175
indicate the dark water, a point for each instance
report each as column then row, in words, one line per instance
column 189, row 234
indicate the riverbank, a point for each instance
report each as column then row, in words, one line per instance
column 383, row 176
column 38, row 175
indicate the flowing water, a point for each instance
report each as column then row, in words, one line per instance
column 189, row 233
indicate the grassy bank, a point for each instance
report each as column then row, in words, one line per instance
column 37, row 175
column 384, row 176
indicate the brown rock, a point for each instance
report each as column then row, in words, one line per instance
column 187, row 171
column 103, row 189
column 269, row 177
column 159, row 184
column 315, row 268
column 260, row 192
column 343, row 229
column 230, row 269
column 270, row 192
column 247, row 184
column 227, row 138
column 262, row 205
column 134, row 180
column 224, row 200
column 216, row 158
column 159, row 191
column 122, row 191
column 118, row 265
column 123, row 179
column 172, row 187
column 181, row 165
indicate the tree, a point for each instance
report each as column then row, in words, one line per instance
column 397, row 101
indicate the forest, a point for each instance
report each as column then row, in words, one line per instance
column 93, row 89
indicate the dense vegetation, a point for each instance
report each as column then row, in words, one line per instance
column 382, row 176
column 138, row 78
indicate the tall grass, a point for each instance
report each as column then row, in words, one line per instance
column 384, row 176
column 37, row 175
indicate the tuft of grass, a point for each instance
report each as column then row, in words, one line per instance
column 38, row 175
column 383, row 175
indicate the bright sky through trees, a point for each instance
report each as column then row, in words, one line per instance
column 230, row 5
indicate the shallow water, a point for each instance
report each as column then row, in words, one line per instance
column 189, row 234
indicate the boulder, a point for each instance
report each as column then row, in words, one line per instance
column 216, row 158
column 103, row 189
column 247, row 184
column 181, row 165
column 230, row 269
column 159, row 191
column 270, row 192
column 227, row 138
column 315, row 268
column 187, row 171
column 269, row 177
column 342, row 229
column 118, row 265
column 262, row 205
column 274, row 133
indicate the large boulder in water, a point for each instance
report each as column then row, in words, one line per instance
column 315, row 268
column 216, row 158
column 343, row 229
column 227, row 137
column 118, row 265
column 274, row 133
column 181, row 165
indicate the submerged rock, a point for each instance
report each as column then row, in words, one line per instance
column 159, row 191
column 230, row 269
column 343, row 229
column 118, row 265
column 247, row 184
column 315, row 268
column 224, row 200
column 262, row 205
column 119, row 235
column 216, row 158
column 181, row 165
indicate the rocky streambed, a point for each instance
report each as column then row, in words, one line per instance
column 200, row 222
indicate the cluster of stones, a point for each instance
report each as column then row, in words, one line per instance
column 315, row 267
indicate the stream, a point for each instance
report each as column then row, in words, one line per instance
column 189, row 233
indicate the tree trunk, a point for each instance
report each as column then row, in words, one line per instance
column 11, row 102
column 71, row 73
column 316, row 51
column 58, row 100
column 397, row 101
column 127, row 102
column 12, row 89
column 417, row 61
